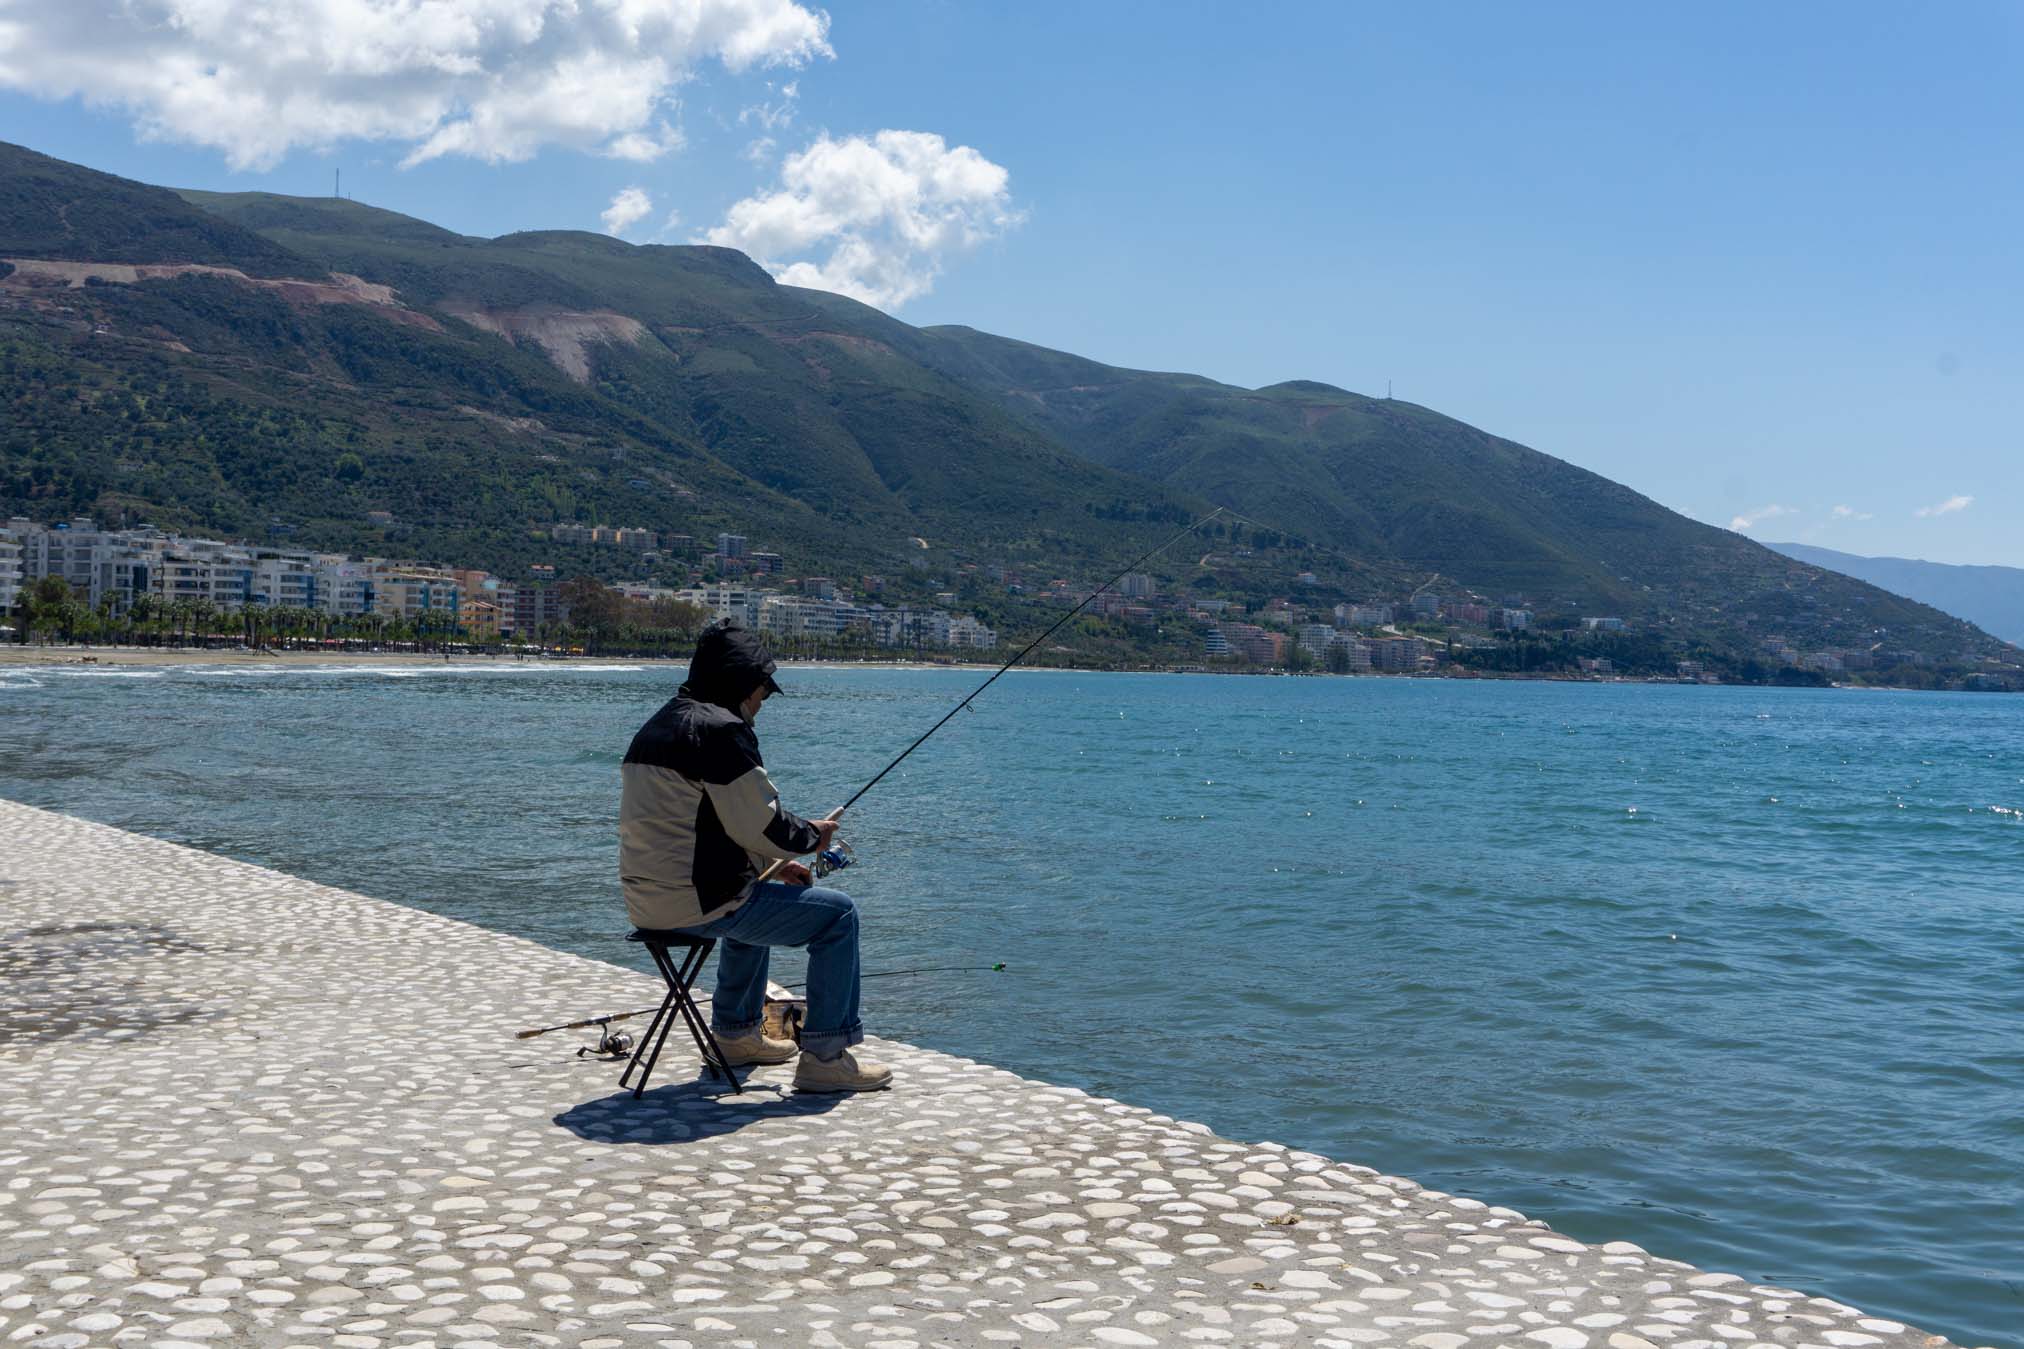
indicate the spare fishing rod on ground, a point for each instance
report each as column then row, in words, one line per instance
column 839, row 855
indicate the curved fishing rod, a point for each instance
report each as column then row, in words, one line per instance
column 1025, row 651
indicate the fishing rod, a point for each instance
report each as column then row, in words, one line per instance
column 1027, row 650
column 838, row 856
column 842, row 857
column 1024, row 652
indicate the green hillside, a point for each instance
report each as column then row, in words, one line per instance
column 513, row 383
column 1445, row 502
column 357, row 361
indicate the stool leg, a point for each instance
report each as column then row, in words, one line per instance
column 665, row 1021
column 699, row 1028
column 639, row 1050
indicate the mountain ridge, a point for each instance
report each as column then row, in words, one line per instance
column 556, row 376
column 1989, row 596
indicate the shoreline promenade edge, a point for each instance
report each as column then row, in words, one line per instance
column 237, row 1107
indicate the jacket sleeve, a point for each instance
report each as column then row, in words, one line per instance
column 748, row 804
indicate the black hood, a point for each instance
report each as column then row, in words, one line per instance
column 730, row 661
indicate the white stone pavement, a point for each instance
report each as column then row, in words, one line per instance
column 240, row 1108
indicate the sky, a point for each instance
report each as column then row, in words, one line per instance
column 1762, row 263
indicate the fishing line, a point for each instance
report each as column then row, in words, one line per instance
column 931, row 969
column 1027, row 650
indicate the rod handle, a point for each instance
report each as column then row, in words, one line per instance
column 773, row 869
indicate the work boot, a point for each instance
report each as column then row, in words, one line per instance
column 842, row 1073
column 753, row 1046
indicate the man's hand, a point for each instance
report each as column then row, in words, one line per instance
column 826, row 828
column 793, row 873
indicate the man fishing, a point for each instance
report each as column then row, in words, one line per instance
column 698, row 819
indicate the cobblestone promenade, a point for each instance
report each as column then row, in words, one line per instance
column 239, row 1108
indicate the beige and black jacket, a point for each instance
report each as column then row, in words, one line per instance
column 698, row 816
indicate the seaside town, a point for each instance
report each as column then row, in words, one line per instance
column 72, row 579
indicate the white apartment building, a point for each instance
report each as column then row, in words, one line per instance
column 283, row 581
column 1363, row 615
column 1315, row 637
column 724, row 600
column 10, row 571
column 969, row 633
column 909, row 627
column 805, row 616
column 343, row 587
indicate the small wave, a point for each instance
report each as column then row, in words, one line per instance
column 67, row 672
column 20, row 683
column 430, row 671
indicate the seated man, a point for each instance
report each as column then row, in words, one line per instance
column 698, row 817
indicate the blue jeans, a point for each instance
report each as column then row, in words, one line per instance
column 821, row 919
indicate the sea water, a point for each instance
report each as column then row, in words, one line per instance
column 1734, row 974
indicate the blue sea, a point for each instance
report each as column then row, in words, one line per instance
column 1734, row 974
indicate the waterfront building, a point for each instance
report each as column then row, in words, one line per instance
column 282, row 580
column 480, row 619
column 1603, row 624
column 1316, row 637
column 1514, row 619
column 969, row 633
column 1260, row 646
column 766, row 564
column 10, row 571
column 730, row 545
column 343, row 585
column 1398, row 653
column 1215, row 643
column 537, row 608
column 725, row 600
column 409, row 590
column 1137, row 586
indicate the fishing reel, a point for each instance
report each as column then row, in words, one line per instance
column 611, row 1044
column 834, row 858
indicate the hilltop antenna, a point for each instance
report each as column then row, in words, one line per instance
column 1387, row 391
column 337, row 186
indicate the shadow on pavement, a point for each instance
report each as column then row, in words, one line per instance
column 686, row 1112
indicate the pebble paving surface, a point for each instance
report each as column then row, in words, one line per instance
column 240, row 1108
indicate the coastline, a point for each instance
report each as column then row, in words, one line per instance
column 309, row 1117
column 16, row 656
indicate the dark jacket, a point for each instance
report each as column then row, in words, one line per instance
column 698, row 816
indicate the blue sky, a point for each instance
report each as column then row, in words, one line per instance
column 1761, row 263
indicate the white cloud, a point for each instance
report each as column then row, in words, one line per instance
column 628, row 207
column 772, row 116
column 1851, row 513
column 1947, row 507
column 1751, row 519
column 493, row 79
column 872, row 218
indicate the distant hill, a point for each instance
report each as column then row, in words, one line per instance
column 274, row 367
column 1992, row 598
column 1450, row 505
